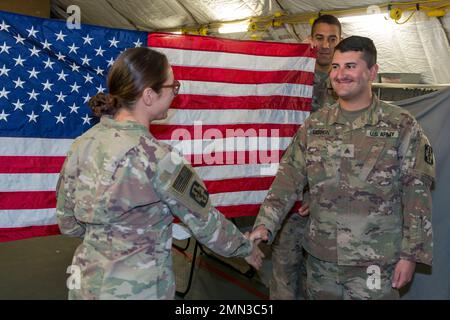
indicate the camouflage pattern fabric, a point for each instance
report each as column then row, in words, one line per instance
column 288, row 265
column 119, row 189
column 323, row 94
column 329, row 281
column 369, row 181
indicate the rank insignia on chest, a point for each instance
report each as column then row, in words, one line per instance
column 382, row 134
column 348, row 150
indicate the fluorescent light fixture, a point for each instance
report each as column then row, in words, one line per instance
column 233, row 28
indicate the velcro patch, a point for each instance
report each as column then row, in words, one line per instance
column 319, row 132
column 348, row 150
column 199, row 194
column 429, row 154
column 182, row 180
column 382, row 134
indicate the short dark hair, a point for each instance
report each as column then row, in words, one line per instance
column 361, row 44
column 328, row 19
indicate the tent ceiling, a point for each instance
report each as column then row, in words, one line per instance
column 163, row 14
column 419, row 46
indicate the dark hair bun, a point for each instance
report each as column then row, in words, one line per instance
column 102, row 103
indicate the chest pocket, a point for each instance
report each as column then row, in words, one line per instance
column 321, row 159
column 381, row 166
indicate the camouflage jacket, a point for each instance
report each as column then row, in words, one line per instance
column 322, row 91
column 119, row 189
column 369, row 181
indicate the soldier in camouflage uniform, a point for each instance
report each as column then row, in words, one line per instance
column 370, row 169
column 119, row 189
column 288, row 265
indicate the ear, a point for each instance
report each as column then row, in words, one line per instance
column 148, row 96
column 373, row 72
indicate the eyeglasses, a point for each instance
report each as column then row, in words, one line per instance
column 175, row 87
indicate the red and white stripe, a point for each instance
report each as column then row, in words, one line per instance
column 263, row 89
column 260, row 91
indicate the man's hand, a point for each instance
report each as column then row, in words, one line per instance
column 404, row 271
column 255, row 258
column 260, row 233
column 304, row 209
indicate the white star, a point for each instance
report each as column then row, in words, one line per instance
column 110, row 62
column 86, row 119
column 4, row 93
column 19, row 60
column 75, row 87
column 60, row 97
column 100, row 89
column 33, row 95
column 4, row 71
column 4, row 115
column 85, row 60
column 99, row 71
column 75, row 67
column 19, row 39
column 87, row 39
column 32, row 117
column 113, row 42
column 60, row 118
column 18, row 105
column 60, row 36
column 62, row 75
column 137, row 43
column 73, row 48
column 47, row 85
column 33, row 73
column 74, row 108
column 60, row 56
column 48, row 64
column 5, row 48
column 87, row 98
column 88, row 78
column 99, row 51
column 4, row 26
column 47, row 107
column 19, row 83
column 34, row 51
column 46, row 44
column 32, row 32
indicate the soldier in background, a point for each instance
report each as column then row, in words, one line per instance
column 288, row 265
column 119, row 189
column 370, row 169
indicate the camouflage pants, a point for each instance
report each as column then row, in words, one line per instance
column 288, row 263
column 329, row 281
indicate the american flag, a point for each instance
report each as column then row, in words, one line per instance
column 240, row 103
column 47, row 75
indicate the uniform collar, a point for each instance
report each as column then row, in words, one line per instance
column 110, row 122
column 370, row 117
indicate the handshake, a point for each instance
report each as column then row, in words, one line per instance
column 256, row 236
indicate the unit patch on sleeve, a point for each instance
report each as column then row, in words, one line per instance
column 429, row 154
column 199, row 194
